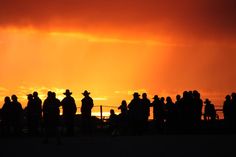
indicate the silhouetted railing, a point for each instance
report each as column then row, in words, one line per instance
column 102, row 112
column 219, row 113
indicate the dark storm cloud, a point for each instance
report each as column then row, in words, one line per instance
column 187, row 18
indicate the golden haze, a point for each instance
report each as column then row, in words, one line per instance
column 112, row 68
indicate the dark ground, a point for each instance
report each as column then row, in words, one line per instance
column 162, row 145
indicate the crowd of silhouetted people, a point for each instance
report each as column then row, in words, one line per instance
column 187, row 112
column 43, row 117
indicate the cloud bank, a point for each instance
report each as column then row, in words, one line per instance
column 202, row 19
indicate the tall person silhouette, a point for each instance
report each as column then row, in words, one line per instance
column 6, row 116
column 34, row 113
column 51, row 117
column 146, row 104
column 69, row 111
column 17, row 114
column 37, row 111
column 136, row 114
column 29, row 113
column 86, row 110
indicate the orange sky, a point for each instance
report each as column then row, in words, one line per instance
column 113, row 48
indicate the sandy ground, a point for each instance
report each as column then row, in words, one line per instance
column 155, row 146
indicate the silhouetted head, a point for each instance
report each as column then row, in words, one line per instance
column 30, row 97
column 123, row 105
column 14, row 98
column 178, row 97
column 136, row 95
column 144, row 95
column 54, row 95
column 35, row 94
column 112, row 112
column 228, row 97
column 49, row 94
column 233, row 96
column 168, row 100
column 155, row 97
column 162, row 99
column 7, row 99
column 67, row 93
column 86, row 93
column 207, row 101
column 196, row 94
column 185, row 94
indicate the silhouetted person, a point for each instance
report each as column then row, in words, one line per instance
column 123, row 107
column 197, row 107
column 113, row 123
column 51, row 116
column 178, row 101
column 171, row 116
column 210, row 112
column 16, row 114
column 69, row 112
column 136, row 114
column 162, row 101
column 158, row 112
column 29, row 113
column 227, row 110
column 155, row 104
column 187, row 110
column 123, row 118
column 86, row 110
column 34, row 113
column 37, row 112
column 178, row 104
column 6, row 114
column 146, row 109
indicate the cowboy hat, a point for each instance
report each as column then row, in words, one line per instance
column 85, row 92
column 67, row 92
column 136, row 94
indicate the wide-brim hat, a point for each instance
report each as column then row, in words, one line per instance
column 86, row 92
column 67, row 92
column 136, row 94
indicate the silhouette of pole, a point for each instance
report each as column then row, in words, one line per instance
column 101, row 115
